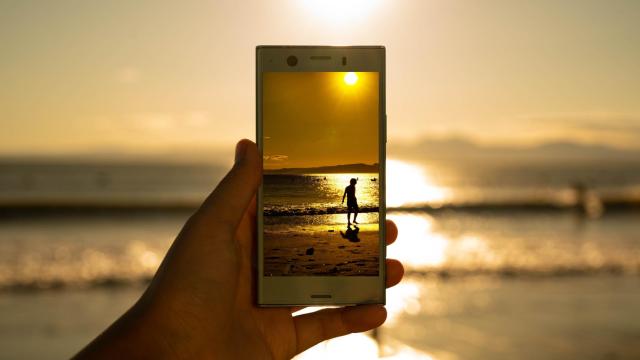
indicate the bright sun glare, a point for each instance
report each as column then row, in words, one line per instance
column 341, row 11
column 410, row 184
column 350, row 78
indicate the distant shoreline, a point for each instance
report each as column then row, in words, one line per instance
column 336, row 169
column 16, row 209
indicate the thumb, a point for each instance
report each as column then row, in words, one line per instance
column 228, row 202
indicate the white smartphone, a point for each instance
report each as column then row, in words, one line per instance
column 321, row 129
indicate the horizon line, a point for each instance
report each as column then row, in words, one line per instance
column 323, row 166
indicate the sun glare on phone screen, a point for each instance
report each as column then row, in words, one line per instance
column 350, row 78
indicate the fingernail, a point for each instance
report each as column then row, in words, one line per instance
column 241, row 150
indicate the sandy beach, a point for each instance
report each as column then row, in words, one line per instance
column 322, row 250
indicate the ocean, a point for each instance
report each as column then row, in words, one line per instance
column 504, row 259
column 317, row 194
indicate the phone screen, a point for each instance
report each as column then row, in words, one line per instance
column 321, row 182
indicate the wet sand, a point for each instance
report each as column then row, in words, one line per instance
column 322, row 250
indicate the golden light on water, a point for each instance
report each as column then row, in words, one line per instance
column 350, row 78
column 354, row 346
column 403, row 298
column 361, row 346
column 421, row 245
column 367, row 186
column 417, row 244
column 147, row 258
column 410, row 184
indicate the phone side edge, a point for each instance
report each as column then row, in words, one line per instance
column 383, row 173
column 259, row 215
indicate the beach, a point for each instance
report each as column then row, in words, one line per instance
column 306, row 230
column 322, row 250
column 487, row 281
column 502, row 139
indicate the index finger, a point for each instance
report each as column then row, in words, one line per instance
column 228, row 202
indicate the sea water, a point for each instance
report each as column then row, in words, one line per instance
column 482, row 281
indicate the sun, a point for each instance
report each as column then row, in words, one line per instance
column 350, row 78
column 341, row 12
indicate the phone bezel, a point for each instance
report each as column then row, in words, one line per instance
column 344, row 290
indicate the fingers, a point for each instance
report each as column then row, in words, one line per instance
column 228, row 202
column 395, row 271
column 329, row 323
column 392, row 232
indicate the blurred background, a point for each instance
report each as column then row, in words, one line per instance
column 513, row 170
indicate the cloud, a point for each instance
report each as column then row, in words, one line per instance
column 596, row 121
column 620, row 130
column 275, row 157
column 608, row 127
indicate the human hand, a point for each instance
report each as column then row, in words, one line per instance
column 201, row 303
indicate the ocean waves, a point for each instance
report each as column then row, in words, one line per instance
column 292, row 211
column 114, row 280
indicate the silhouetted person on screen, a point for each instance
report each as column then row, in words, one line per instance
column 352, row 202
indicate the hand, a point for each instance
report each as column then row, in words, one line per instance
column 200, row 303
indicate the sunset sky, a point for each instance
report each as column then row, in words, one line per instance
column 320, row 119
column 150, row 77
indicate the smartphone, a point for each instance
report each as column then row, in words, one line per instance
column 321, row 130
